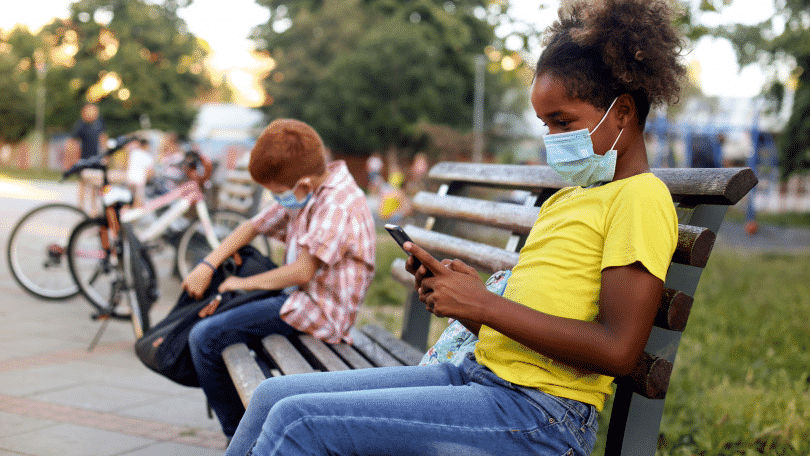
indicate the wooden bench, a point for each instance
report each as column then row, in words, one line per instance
column 468, row 219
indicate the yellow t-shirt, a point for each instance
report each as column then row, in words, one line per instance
column 578, row 233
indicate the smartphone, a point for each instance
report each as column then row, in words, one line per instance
column 402, row 237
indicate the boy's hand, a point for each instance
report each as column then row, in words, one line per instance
column 232, row 283
column 197, row 281
column 454, row 290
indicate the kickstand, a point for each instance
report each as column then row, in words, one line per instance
column 105, row 320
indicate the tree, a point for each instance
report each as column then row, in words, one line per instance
column 135, row 59
column 370, row 74
column 17, row 79
column 784, row 39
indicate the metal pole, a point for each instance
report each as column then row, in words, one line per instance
column 41, row 67
column 478, row 110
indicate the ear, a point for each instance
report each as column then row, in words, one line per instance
column 625, row 111
column 306, row 184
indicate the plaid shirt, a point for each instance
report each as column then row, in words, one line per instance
column 336, row 227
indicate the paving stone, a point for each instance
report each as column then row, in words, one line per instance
column 12, row 424
column 72, row 440
column 173, row 449
column 188, row 411
column 23, row 383
column 97, row 397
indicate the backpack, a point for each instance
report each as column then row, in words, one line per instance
column 164, row 348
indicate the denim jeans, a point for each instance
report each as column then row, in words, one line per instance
column 440, row 409
column 247, row 323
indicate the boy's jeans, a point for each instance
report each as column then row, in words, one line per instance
column 246, row 323
column 440, row 409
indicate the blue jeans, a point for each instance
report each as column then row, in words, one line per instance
column 440, row 409
column 247, row 323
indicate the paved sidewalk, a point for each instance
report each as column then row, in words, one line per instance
column 56, row 398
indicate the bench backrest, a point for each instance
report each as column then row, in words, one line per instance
column 466, row 220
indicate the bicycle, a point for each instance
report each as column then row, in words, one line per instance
column 108, row 260
column 37, row 247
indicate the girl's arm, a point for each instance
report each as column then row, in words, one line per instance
column 611, row 345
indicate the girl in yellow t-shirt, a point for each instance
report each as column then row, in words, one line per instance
column 581, row 300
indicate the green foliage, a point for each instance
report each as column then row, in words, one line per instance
column 782, row 39
column 17, row 86
column 367, row 74
column 154, row 63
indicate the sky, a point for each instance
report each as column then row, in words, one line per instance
column 226, row 25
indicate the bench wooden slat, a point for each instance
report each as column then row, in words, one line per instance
column 245, row 372
column 694, row 245
column 406, row 354
column 650, row 377
column 531, row 178
column 697, row 185
column 239, row 175
column 284, row 354
column 371, row 350
column 476, row 254
column 674, row 310
column 351, row 356
column 238, row 190
column 508, row 216
column 239, row 205
column 725, row 186
column 328, row 359
column 693, row 248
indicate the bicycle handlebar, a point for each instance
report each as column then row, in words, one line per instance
column 113, row 146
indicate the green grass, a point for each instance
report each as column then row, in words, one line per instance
column 742, row 375
column 787, row 219
column 33, row 173
column 383, row 304
column 741, row 384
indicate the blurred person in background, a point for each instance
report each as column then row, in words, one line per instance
column 86, row 140
column 139, row 168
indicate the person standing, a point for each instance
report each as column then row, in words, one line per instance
column 85, row 142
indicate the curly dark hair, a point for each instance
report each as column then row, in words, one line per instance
column 606, row 48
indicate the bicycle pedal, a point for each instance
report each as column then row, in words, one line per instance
column 100, row 316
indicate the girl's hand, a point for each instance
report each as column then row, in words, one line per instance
column 454, row 290
column 197, row 281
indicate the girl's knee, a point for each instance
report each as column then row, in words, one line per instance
column 286, row 411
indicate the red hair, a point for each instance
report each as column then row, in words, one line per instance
column 286, row 151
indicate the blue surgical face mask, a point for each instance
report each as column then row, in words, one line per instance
column 289, row 200
column 571, row 155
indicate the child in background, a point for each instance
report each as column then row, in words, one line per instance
column 322, row 216
column 139, row 169
column 579, row 305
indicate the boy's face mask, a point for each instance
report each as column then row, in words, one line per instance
column 289, row 201
column 571, row 155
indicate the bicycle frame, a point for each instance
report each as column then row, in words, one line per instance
column 179, row 200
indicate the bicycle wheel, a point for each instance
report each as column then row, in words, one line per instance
column 141, row 280
column 193, row 246
column 37, row 249
column 97, row 266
